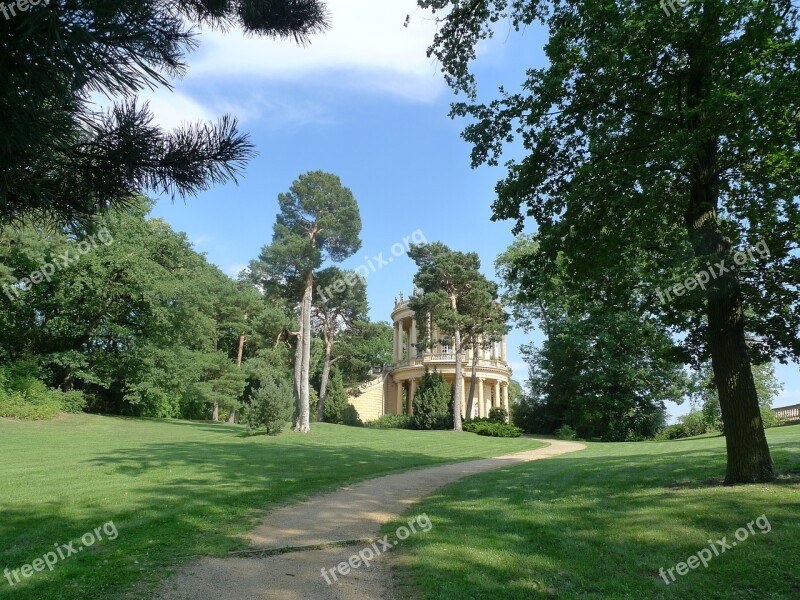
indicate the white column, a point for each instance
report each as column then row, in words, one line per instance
column 481, row 405
column 412, row 390
column 395, row 353
column 412, row 340
column 496, row 397
column 505, row 399
column 503, row 349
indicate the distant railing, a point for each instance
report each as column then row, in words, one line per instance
column 448, row 358
column 788, row 413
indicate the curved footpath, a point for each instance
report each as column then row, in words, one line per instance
column 296, row 542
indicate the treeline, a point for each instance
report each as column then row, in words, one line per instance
column 608, row 365
column 125, row 317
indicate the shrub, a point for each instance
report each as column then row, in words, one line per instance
column 672, row 432
column 565, row 432
column 694, row 422
column 73, row 402
column 335, row 399
column 498, row 414
column 24, row 396
column 769, row 417
column 431, row 402
column 271, row 406
column 350, row 416
column 18, row 405
column 391, row 422
column 491, row 428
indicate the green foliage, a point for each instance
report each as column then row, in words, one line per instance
column 565, row 432
column 432, row 402
column 270, row 406
column 693, row 422
column 456, row 299
column 645, row 163
column 672, row 432
column 62, row 157
column 605, row 369
column 24, row 396
column 73, row 401
column 498, row 413
column 390, row 421
column 705, row 393
column 141, row 323
column 769, row 417
column 336, row 400
column 492, row 428
column 363, row 349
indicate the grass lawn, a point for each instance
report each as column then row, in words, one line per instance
column 174, row 489
column 602, row 522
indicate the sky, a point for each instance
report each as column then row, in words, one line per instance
column 362, row 101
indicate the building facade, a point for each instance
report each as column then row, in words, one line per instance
column 393, row 391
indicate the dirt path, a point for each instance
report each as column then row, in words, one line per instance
column 348, row 520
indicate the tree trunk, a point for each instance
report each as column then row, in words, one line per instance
column 298, row 369
column 215, row 412
column 326, row 373
column 241, row 351
column 749, row 458
column 458, row 391
column 303, row 422
column 471, row 397
column 232, row 416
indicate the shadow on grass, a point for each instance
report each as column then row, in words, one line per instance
column 191, row 499
column 601, row 526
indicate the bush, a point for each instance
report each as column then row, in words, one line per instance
column 672, row 432
column 18, row 405
column 565, row 432
column 350, row 417
column 335, row 399
column 498, row 414
column 432, row 402
column 491, row 428
column 391, row 422
column 694, row 423
column 24, row 396
column 271, row 406
column 769, row 417
column 73, row 402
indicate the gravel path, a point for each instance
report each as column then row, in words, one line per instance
column 325, row 531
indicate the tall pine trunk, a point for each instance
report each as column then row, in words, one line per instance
column 458, row 376
column 749, row 458
column 298, row 370
column 326, row 373
column 303, row 422
column 471, row 397
column 458, row 391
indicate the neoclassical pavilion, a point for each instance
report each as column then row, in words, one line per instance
column 393, row 392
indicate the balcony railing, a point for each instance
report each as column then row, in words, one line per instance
column 448, row 358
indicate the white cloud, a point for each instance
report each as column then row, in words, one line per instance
column 234, row 269
column 173, row 109
column 366, row 50
column 519, row 368
column 366, row 47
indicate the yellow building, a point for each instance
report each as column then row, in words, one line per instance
column 392, row 392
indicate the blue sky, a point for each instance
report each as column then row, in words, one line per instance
column 364, row 102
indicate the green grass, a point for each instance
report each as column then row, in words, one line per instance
column 175, row 489
column 602, row 522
